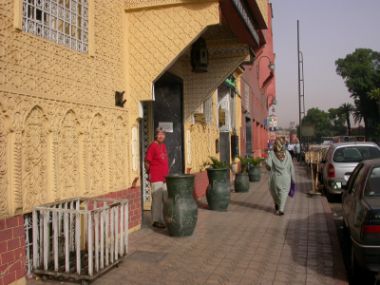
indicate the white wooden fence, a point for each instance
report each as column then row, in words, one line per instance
column 79, row 238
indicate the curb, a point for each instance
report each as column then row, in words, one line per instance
column 339, row 268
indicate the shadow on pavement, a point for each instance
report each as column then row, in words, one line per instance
column 253, row 206
column 314, row 247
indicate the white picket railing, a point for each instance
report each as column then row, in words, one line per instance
column 79, row 238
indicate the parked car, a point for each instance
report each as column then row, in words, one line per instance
column 340, row 161
column 361, row 215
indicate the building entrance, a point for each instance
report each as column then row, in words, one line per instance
column 168, row 114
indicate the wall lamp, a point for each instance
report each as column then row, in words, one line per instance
column 199, row 56
column 119, row 99
column 271, row 65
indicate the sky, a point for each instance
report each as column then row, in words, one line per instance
column 329, row 29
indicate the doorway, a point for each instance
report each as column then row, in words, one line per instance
column 224, row 140
column 168, row 113
column 248, row 136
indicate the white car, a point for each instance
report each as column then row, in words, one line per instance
column 340, row 161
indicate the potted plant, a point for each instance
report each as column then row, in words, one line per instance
column 254, row 171
column 218, row 192
column 241, row 178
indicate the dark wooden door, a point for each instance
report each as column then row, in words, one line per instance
column 167, row 111
column 224, row 145
column 248, row 136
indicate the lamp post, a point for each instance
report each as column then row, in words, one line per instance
column 301, row 85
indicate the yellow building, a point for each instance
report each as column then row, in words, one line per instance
column 62, row 65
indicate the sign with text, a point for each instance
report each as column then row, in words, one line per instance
column 166, row 126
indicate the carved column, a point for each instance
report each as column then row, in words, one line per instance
column 34, row 166
column 14, row 151
column 108, row 167
column 84, row 163
column 52, row 143
column 3, row 171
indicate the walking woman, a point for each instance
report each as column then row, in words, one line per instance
column 280, row 165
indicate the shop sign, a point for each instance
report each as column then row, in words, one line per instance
column 247, row 20
column 166, row 126
column 222, row 117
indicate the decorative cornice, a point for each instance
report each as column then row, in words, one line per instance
column 146, row 4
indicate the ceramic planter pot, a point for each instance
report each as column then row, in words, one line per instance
column 180, row 209
column 254, row 174
column 218, row 193
column 241, row 182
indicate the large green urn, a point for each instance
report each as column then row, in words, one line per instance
column 241, row 182
column 218, row 193
column 180, row 209
column 254, row 174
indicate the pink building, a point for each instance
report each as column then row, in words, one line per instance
column 258, row 95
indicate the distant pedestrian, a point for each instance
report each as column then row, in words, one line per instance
column 157, row 166
column 291, row 149
column 297, row 150
column 280, row 165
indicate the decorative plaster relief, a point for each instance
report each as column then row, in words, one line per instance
column 139, row 4
column 157, row 36
column 42, row 68
column 135, row 149
column 68, row 153
column 34, row 175
column 119, row 157
column 56, row 150
column 3, row 171
column 97, row 150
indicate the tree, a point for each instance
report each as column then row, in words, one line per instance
column 361, row 72
column 345, row 110
column 375, row 95
column 337, row 120
column 319, row 121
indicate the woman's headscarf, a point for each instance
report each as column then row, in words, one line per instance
column 279, row 148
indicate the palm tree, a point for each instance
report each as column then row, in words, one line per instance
column 346, row 109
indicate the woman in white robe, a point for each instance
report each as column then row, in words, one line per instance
column 280, row 165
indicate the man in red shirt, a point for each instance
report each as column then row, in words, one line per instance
column 157, row 166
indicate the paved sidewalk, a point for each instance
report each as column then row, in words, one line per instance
column 246, row 245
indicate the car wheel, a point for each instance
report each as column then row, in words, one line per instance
column 345, row 225
column 356, row 270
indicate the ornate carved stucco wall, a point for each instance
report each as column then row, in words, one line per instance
column 60, row 134
column 58, row 150
column 156, row 37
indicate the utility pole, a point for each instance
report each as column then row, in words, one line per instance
column 301, row 85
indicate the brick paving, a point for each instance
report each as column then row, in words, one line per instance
column 248, row 244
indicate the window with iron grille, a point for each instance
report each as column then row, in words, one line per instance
column 64, row 22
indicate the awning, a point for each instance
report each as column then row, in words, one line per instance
column 243, row 21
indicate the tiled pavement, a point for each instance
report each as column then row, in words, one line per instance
column 248, row 244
